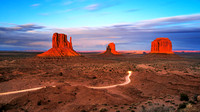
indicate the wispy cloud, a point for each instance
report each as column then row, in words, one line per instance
column 35, row 5
column 102, row 5
column 132, row 10
column 11, row 41
column 113, row 37
column 44, row 14
column 63, row 11
column 25, row 27
column 92, row 7
column 169, row 20
column 56, row 12
column 67, row 3
column 40, row 43
column 19, row 36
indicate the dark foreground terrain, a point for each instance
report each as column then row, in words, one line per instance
column 156, row 83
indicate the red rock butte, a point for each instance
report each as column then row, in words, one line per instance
column 161, row 45
column 61, row 47
column 111, row 50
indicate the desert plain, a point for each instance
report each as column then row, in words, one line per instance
column 157, row 80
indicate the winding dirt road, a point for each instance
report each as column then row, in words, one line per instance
column 127, row 81
column 21, row 91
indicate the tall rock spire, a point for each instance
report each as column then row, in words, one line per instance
column 70, row 43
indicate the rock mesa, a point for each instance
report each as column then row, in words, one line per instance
column 111, row 50
column 161, row 45
column 61, row 47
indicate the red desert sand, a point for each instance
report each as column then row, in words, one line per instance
column 61, row 47
column 161, row 45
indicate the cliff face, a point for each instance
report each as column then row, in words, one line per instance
column 161, row 45
column 60, row 47
column 111, row 50
column 59, row 40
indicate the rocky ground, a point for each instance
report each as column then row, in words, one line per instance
column 156, row 84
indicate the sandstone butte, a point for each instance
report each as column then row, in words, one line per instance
column 111, row 50
column 61, row 47
column 161, row 45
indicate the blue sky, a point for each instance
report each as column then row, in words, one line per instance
column 131, row 24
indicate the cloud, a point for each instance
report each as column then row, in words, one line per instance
column 132, row 10
column 44, row 14
column 63, row 11
column 93, row 42
column 25, row 27
column 92, row 7
column 183, row 31
column 40, row 43
column 113, row 37
column 35, row 5
column 67, row 3
column 11, row 41
column 19, row 36
column 56, row 12
column 74, row 5
column 102, row 5
column 169, row 20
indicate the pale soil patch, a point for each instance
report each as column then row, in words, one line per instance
column 145, row 66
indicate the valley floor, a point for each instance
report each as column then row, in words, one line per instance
column 156, row 82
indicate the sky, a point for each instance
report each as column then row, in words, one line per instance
column 92, row 24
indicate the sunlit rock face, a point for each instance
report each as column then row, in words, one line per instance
column 111, row 49
column 161, row 45
column 60, row 47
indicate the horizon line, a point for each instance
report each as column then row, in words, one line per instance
column 124, row 51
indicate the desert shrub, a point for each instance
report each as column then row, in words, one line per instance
column 39, row 103
column 195, row 97
column 130, row 107
column 94, row 109
column 184, row 97
column 182, row 106
column 60, row 102
column 105, row 104
column 61, row 74
column 103, row 110
column 117, row 111
column 4, row 107
column 83, row 111
column 167, row 101
column 192, row 102
column 115, row 106
column 143, row 108
column 159, row 109
column 149, row 102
